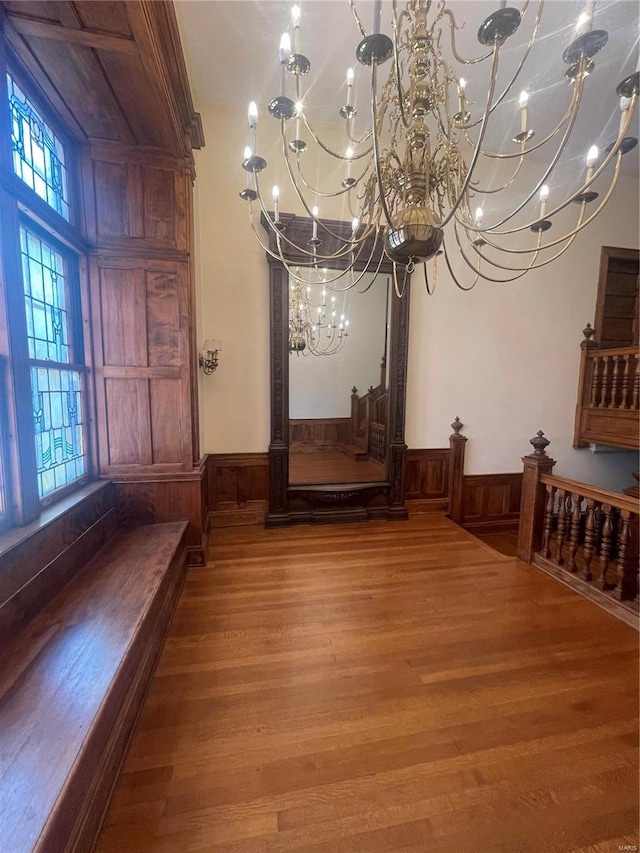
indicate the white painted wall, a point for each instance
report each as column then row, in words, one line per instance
column 320, row 386
column 503, row 357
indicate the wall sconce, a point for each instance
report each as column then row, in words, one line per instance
column 209, row 354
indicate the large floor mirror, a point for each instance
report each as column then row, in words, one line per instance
column 338, row 395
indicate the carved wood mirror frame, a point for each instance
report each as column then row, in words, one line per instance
column 290, row 504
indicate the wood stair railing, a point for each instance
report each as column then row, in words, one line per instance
column 608, row 395
column 583, row 535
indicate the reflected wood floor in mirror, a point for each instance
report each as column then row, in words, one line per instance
column 331, row 466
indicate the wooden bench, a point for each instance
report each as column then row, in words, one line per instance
column 72, row 681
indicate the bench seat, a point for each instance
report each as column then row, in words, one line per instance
column 71, row 685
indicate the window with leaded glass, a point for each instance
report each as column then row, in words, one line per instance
column 56, row 380
column 38, row 154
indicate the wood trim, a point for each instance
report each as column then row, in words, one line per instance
column 616, row 499
column 86, row 38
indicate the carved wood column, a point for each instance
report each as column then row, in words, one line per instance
column 457, row 443
column 397, row 403
column 277, row 514
column 533, row 501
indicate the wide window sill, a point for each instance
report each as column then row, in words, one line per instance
column 14, row 536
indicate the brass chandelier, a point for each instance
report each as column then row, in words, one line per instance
column 411, row 181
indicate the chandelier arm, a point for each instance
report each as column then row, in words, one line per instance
column 580, row 224
column 396, row 59
column 289, row 266
column 574, row 106
column 335, row 194
column 426, row 277
column 398, row 292
column 520, row 272
column 352, row 5
column 453, row 28
column 481, row 191
column 584, row 188
column 302, row 200
column 376, row 145
column 304, row 252
column 539, row 248
column 330, row 151
column 516, row 74
column 483, row 128
column 453, row 275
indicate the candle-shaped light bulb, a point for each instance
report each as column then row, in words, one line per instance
column 247, row 153
column 354, row 226
column 314, row 211
column 275, row 197
column 478, row 216
column 544, row 195
column 348, row 154
column 253, row 114
column 524, row 100
column 285, row 48
column 349, row 86
column 299, row 107
column 625, row 103
column 592, row 156
column 462, row 83
column 295, row 19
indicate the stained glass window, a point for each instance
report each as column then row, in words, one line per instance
column 38, row 154
column 45, row 298
column 58, row 420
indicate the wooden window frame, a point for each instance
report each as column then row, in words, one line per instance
column 20, row 206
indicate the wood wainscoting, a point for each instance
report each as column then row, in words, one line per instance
column 426, row 484
column 491, row 502
column 319, row 432
column 237, row 488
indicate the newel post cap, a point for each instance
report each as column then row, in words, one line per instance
column 456, row 426
column 588, row 342
column 540, row 444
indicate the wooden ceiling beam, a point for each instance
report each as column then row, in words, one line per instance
column 87, row 38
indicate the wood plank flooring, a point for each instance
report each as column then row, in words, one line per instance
column 382, row 687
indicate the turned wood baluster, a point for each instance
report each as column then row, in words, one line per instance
column 627, row 581
column 636, row 383
column 624, row 391
column 595, row 381
column 604, row 383
column 614, row 381
column 548, row 522
column 576, row 517
column 589, row 540
column 605, row 544
column 562, row 525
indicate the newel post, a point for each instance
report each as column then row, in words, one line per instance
column 585, row 381
column 457, row 444
column 532, row 503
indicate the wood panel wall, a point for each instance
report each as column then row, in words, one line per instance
column 138, row 215
column 426, row 486
column 319, row 432
column 238, row 488
column 491, row 502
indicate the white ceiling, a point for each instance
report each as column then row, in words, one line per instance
column 231, row 48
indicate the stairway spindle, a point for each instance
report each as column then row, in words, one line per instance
column 614, row 381
column 548, row 522
column 562, row 525
column 626, row 588
column 595, row 381
column 576, row 517
column 589, row 540
column 605, row 545
column 604, row 384
column 636, row 383
column 624, row 391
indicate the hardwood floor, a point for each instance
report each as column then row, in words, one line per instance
column 332, row 466
column 382, row 687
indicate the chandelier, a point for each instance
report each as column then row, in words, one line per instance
column 413, row 181
column 314, row 329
